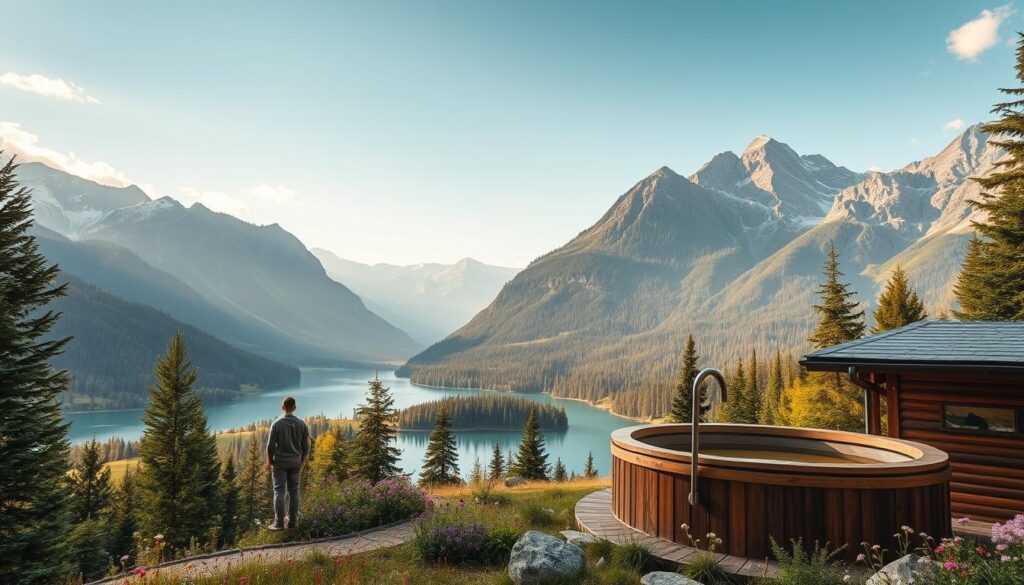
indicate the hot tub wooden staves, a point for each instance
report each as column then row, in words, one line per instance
column 748, row 503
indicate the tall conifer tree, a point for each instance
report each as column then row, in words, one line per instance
column 532, row 459
column 496, row 469
column 682, row 402
column 589, row 469
column 991, row 283
column 441, row 462
column 179, row 481
column 752, row 393
column 253, row 487
column 898, row 305
column 34, row 502
column 373, row 456
column 229, row 500
column 771, row 398
column 839, row 316
column 123, row 520
column 560, row 474
column 89, row 481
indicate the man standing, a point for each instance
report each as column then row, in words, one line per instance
column 287, row 449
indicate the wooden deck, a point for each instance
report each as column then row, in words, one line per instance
column 594, row 516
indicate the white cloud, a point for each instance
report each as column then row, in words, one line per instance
column 26, row 145
column 955, row 124
column 215, row 200
column 55, row 88
column 977, row 36
column 276, row 194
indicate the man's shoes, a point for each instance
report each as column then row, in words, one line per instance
column 275, row 528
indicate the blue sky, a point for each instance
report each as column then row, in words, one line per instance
column 407, row 132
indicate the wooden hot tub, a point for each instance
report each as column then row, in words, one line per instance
column 759, row 482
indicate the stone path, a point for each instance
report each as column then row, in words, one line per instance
column 594, row 515
column 373, row 539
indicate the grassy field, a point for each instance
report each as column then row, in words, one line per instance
column 523, row 508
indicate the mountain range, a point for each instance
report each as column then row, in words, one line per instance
column 731, row 254
column 429, row 301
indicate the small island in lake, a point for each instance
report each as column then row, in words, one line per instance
column 475, row 413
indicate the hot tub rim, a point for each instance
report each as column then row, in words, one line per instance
column 925, row 459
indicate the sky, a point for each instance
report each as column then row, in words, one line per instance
column 409, row 132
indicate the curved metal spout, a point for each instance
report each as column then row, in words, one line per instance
column 695, row 428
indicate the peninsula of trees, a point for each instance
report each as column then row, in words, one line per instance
column 483, row 413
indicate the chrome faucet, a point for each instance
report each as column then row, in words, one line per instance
column 695, row 428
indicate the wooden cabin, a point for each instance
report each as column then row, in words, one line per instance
column 957, row 386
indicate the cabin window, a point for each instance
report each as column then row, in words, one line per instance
column 982, row 419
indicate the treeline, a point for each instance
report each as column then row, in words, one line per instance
column 483, row 412
column 116, row 342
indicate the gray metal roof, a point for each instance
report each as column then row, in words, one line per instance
column 934, row 345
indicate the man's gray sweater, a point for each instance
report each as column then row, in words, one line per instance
column 288, row 443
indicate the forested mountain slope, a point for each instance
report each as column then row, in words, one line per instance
column 116, row 344
column 731, row 254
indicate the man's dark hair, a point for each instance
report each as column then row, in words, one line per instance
column 288, row 404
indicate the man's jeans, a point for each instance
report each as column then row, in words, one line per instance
column 286, row 477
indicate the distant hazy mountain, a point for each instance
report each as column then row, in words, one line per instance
column 68, row 204
column 254, row 286
column 257, row 273
column 116, row 344
column 731, row 254
column 429, row 301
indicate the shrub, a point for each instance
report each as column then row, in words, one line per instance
column 602, row 547
column 965, row 561
column 537, row 516
column 330, row 508
column 451, row 535
column 705, row 568
column 634, row 556
column 485, row 494
column 800, row 568
column 498, row 547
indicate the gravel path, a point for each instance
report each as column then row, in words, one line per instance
column 373, row 539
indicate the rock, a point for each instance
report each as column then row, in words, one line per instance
column 899, row 572
column 578, row 538
column 666, row 578
column 514, row 481
column 537, row 558
column 600, row 563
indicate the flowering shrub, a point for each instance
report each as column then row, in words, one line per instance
column 330, row 508
column 452, row 534
column 963, row 561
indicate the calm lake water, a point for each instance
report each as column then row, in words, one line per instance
column 336, row 392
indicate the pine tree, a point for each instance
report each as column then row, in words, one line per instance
column 179, row 476
column 839, row 319
column 329, row 455
column 441, row 462
column 123, row 522
column 752, row 393
column 771, row 398
column 991, row 283
column 829, row 400
column 496, row 469
column 229, row 501
column 89, row 481
column 476, row 473
column 560, row 475
column 532, row 459
column 682, row 407
column 589, row 470
column 510, row 463
column 34, row 502
column 373, row 456
column 253, row 487
column 898, row 305
column 734, row 410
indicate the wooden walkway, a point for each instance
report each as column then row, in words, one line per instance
column 594, row 516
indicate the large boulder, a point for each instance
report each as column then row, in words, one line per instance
column 515, row 481
column 578, row 538
column 666, row 578
column 537, row 558
column 899, row 572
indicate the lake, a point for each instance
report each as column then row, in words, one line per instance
column 336, row 393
